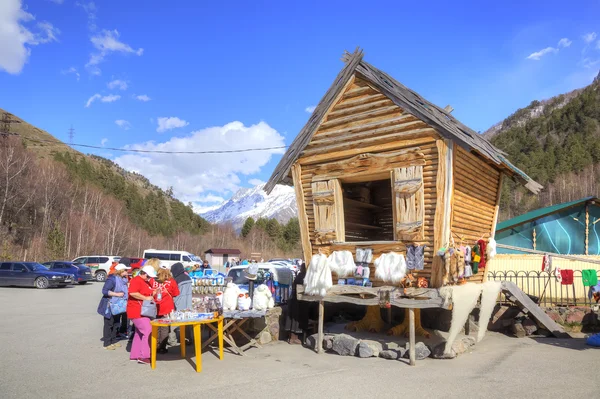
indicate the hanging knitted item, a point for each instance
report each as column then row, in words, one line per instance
column 476, row 256
column 491, row 248
column 448, row 267
column 364, row 255
column 342, row 263
column 545, row 264
column 482, row 247
column 390, row 267
column 558, row 274
column 318, row 276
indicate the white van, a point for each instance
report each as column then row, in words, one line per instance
column 169, row 258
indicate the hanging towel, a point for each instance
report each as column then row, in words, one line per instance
column 589, row 277
column 341, row 263
column 545, row 264
column 566, row 277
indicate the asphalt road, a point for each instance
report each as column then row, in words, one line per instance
column 51, row 348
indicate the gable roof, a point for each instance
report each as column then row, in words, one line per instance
column 541, row 212
column 410, row 101
column 223, row 251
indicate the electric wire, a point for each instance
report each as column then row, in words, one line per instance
column 52, row 142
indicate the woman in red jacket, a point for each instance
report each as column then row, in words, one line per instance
column 140, row 291
column 166, row 289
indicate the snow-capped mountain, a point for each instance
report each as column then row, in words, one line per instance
column 254, row 202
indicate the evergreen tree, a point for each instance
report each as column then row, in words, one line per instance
column 55, row 242
column 248, row 225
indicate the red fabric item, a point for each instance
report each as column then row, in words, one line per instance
column 134, row 306
column 169, row 289
column 482, row 245
column 567, row 276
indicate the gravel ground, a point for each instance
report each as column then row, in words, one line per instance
column 51, row 348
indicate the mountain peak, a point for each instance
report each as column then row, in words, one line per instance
column 254, row 202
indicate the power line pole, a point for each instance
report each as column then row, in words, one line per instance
column 71, row 134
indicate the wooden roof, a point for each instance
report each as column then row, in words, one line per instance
column 223, row 251
column 444, row 123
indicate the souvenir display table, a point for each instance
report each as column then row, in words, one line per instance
column 409, row 298
column 235, row 319
column 196, row 324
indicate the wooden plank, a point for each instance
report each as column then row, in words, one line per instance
column 360, row 116
column 368, row 161
column 364, row 226
column 411, row 337
column 358, row 108
column 381, row 123
column 358, row 204
column 395, row 145
column 438, row 222
column 411, row 132
column 302, row 216
column 410, row 205
column 523, row 301
column 379, row 133
column 320, row 328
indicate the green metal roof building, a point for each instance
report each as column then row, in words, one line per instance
column 570, row 228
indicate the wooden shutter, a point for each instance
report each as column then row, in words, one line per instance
column 409, row 203
column 329, row 211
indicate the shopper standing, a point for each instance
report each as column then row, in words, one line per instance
column 114, row 287
column 140, row 291
column 166, row 290
column 183, row 301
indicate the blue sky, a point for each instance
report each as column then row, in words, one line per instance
column 222, row 75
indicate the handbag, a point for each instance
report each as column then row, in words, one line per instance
column 149, row 309
column 117, row 305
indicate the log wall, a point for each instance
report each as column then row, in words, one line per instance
column 475, row 198
column 365, row 121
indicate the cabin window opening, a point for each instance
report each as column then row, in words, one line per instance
column 368, row 211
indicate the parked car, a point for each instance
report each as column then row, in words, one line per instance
column 278, row 278
column 286, row 263
column 32, row 274
column 99, row 264
column 82, row 274
column 169, row 258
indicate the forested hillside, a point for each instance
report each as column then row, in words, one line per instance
column 56, row 203
column 559, row 147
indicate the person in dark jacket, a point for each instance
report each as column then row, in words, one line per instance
column 184, row 299
column 115, row 286
column 296, row 321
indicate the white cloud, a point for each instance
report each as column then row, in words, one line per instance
column 168, row 123
column 107, row 42
column 539, row 54
column 193, row 176
column 122, row 123
column 71, row 70
column 90, row 10
column 256, row 182
column 16, row 39
column 310, row 109
column 105, row 99
column 564, row 42
column 143, row 97
column 589, row 37
column 103, row 142
column 57, row 1
column 117, row 84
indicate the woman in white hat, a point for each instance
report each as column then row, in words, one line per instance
column 140, row 291
column 114, row 295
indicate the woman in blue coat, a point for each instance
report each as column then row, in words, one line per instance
column 112, row 304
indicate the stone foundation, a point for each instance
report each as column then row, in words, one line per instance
column 364, row 344
column 266, row 329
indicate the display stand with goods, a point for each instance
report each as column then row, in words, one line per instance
column 196, row 324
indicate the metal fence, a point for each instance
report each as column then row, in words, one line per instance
column 546, row 287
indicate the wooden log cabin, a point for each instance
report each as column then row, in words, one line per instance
column 378, row 166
